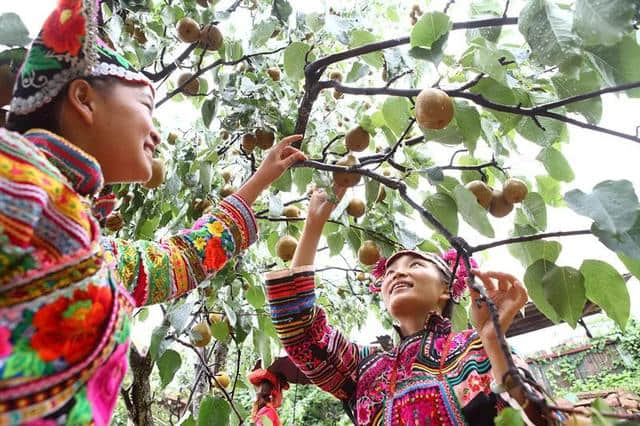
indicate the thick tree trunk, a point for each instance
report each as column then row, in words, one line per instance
column 138, row 399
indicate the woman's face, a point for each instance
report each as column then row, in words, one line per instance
column 412, row 287
column 124, row 135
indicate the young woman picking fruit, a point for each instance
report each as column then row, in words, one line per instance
column 434, row 375
column 82, row 118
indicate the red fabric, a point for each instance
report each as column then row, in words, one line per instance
column 270, row 413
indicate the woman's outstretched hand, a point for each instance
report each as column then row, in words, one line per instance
column 509, row 296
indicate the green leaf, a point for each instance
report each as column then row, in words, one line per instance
column 501, row 94
column 262, row 32
column 472, row 212
column 302, row 177
column 618, row 64
column 208, row 111
column 261, row 343
column 633, row 265
column 13, row 57
column 214, row 411
column 588, row 81
column 530, row 251
column 283, row 183
column 168, row 364
column 444, row 209
column 486, row 60
column 189, row 421
column 533, row 280
column 13, row 32
column 430, row 28
column 556, row 165
column 233, row 50
column 564, row 289
column 509, row 417
column 180, row 315
column 357, row 71
column 335, row 241
column 627, row 242
column 158, row 344
column 220, row 331
column 606, row 288
column 612, row 205
column 467, row 118
column 535, row 210
column 553, row 132
column 603, row 22
column 404, row 229
column 397, row 114
column 255, row 296
column 281, row 9
column 549, row 189
column 361, row 37
column 371, row 188
column 547, row 28
column 294, row 59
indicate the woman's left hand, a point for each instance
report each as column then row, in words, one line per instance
column 280, row 158
column 509, row 296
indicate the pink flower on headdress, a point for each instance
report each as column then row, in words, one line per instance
column 378, row 272
column 460, row 283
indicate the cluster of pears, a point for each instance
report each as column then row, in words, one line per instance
column 336, row 76
column 499, row 203
column 261, row 138
column 209, row 37
column 356, row 140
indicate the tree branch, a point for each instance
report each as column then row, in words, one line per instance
column 525, row 238
column 217, row 63
column 168, row 69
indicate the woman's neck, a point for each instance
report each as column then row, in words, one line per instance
column 415, row 323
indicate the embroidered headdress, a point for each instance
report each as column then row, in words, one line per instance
column 67, row 47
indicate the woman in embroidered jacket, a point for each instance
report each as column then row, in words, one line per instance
column 65, row 292
column 434, row 376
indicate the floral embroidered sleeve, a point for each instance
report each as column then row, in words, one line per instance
column 157, row 271
column 321, row 352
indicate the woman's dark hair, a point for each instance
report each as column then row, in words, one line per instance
column 263, row 396
column 48, row 116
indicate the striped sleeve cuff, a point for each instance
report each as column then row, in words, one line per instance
column 239, row 209
column 291, row 291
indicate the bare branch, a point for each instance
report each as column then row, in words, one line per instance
column 525, row 238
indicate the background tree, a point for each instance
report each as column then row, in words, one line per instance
column 432, row 119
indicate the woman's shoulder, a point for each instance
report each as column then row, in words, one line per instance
column 15, row 148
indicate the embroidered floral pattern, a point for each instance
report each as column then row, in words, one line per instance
column 69, row 328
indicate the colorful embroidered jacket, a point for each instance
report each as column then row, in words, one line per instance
column 66, row 292
column 430, row 389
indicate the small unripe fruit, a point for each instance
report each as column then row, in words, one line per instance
column 336, row 75
column 361, row 276
column 499, row 206
column 223, row 379
column 264, row 139
column 249, row 141
column 337, row 94
column 291, row 211
column 210, row 37
column 434, row 109
column 514, row 190
column 274, row 73
column 188, row 30
column 344, row 178
column 286, row 247
column 157, row 175
column 481, row 191
column 226, row 175
column 200, row 335
column 172, row 138
column 356, row 207
column 215, row 318
column 357, row 139
column 368, row 254
column 227, row 190
column 189, row 85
